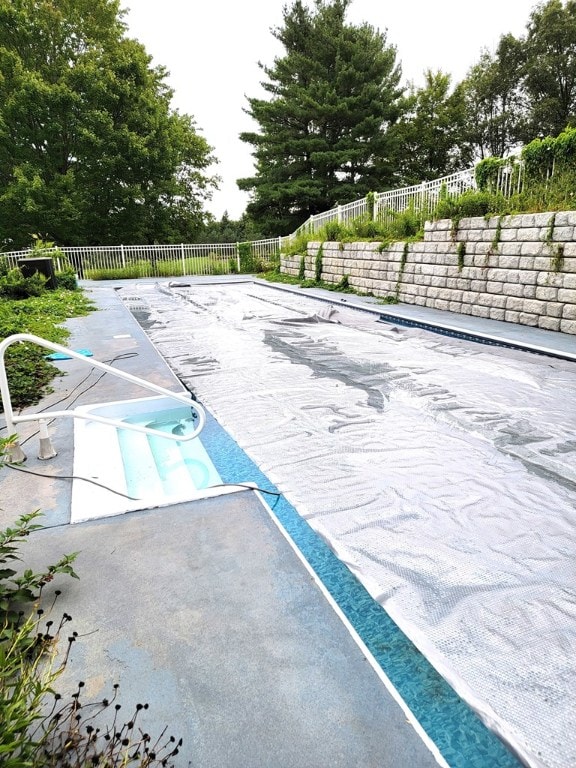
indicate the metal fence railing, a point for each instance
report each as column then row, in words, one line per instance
column 223, row 258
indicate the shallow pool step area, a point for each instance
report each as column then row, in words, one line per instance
column 120, row 470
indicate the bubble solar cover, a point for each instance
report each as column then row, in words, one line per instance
column 442, row 472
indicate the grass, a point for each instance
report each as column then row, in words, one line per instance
column 197, row 265
column 29, row 373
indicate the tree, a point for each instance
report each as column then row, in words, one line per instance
column 228, row 231
column 90, row 151
column 551, row 67
column 323, row 134
column 430, row 131
column 495, row 100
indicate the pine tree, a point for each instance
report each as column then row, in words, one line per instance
column 323, row 134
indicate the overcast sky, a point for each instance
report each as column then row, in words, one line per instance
column 212, row 48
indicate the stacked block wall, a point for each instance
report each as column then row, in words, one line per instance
column 520, row 269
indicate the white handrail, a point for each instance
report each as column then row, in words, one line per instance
column 11, row 419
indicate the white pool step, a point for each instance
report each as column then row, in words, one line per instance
column 146, row 481
column 154, row 471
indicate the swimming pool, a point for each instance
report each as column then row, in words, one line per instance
column 440, row 472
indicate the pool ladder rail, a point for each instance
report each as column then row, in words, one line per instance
column 14, row 452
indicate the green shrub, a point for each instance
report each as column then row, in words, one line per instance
column 333, row 231
column 302, row 268
column 13, row 285
column 4, row 266
column 471, row 203
column 366, row 228
column 66, row 279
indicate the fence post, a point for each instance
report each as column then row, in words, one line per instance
column 238, row 256
column 122, row 256
column 183, row 259
column 339, row 214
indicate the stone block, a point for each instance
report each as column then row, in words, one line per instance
column 481, row 261
column 529, row 234
column 529, row 292
column 542, row 263
column 441, row 304
column 569, row 312
column 497, row 314
column 439, row 282
column 515, row 304
column 499, row 275
column 567, row 295
column 554, row 309
column 541, row 219
column 569, row 281
column 509, row 236
column 515, row 221
column 509, row 249
column 455, row 306
column 535, row 307
column 569, row 264
column 493, row 286
column 531, row 249
column 528, row 277
column 527, row 319
column 568, row 326
column 484, row 300
column 563, row 234
column 473, row 222
column 509, row 262
column 479, row 311
column 512, row 290
column 546, row 293
column 499, row 302
column 512, row 317
column 549, row 323
column 478, row 285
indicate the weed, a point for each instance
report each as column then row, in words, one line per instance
column 557, row 260
column 460, row 253
column 318, row 264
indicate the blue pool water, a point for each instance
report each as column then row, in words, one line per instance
column 154, row 465
column 461, row 737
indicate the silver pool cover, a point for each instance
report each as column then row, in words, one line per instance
column 442, row 472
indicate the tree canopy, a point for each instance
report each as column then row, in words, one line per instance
column 323, row 134
column 90, row 150
column 429, row 133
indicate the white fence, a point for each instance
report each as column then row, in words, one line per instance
column 223, row 258
column 109, row 261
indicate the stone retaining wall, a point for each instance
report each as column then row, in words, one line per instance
column 521, row 269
